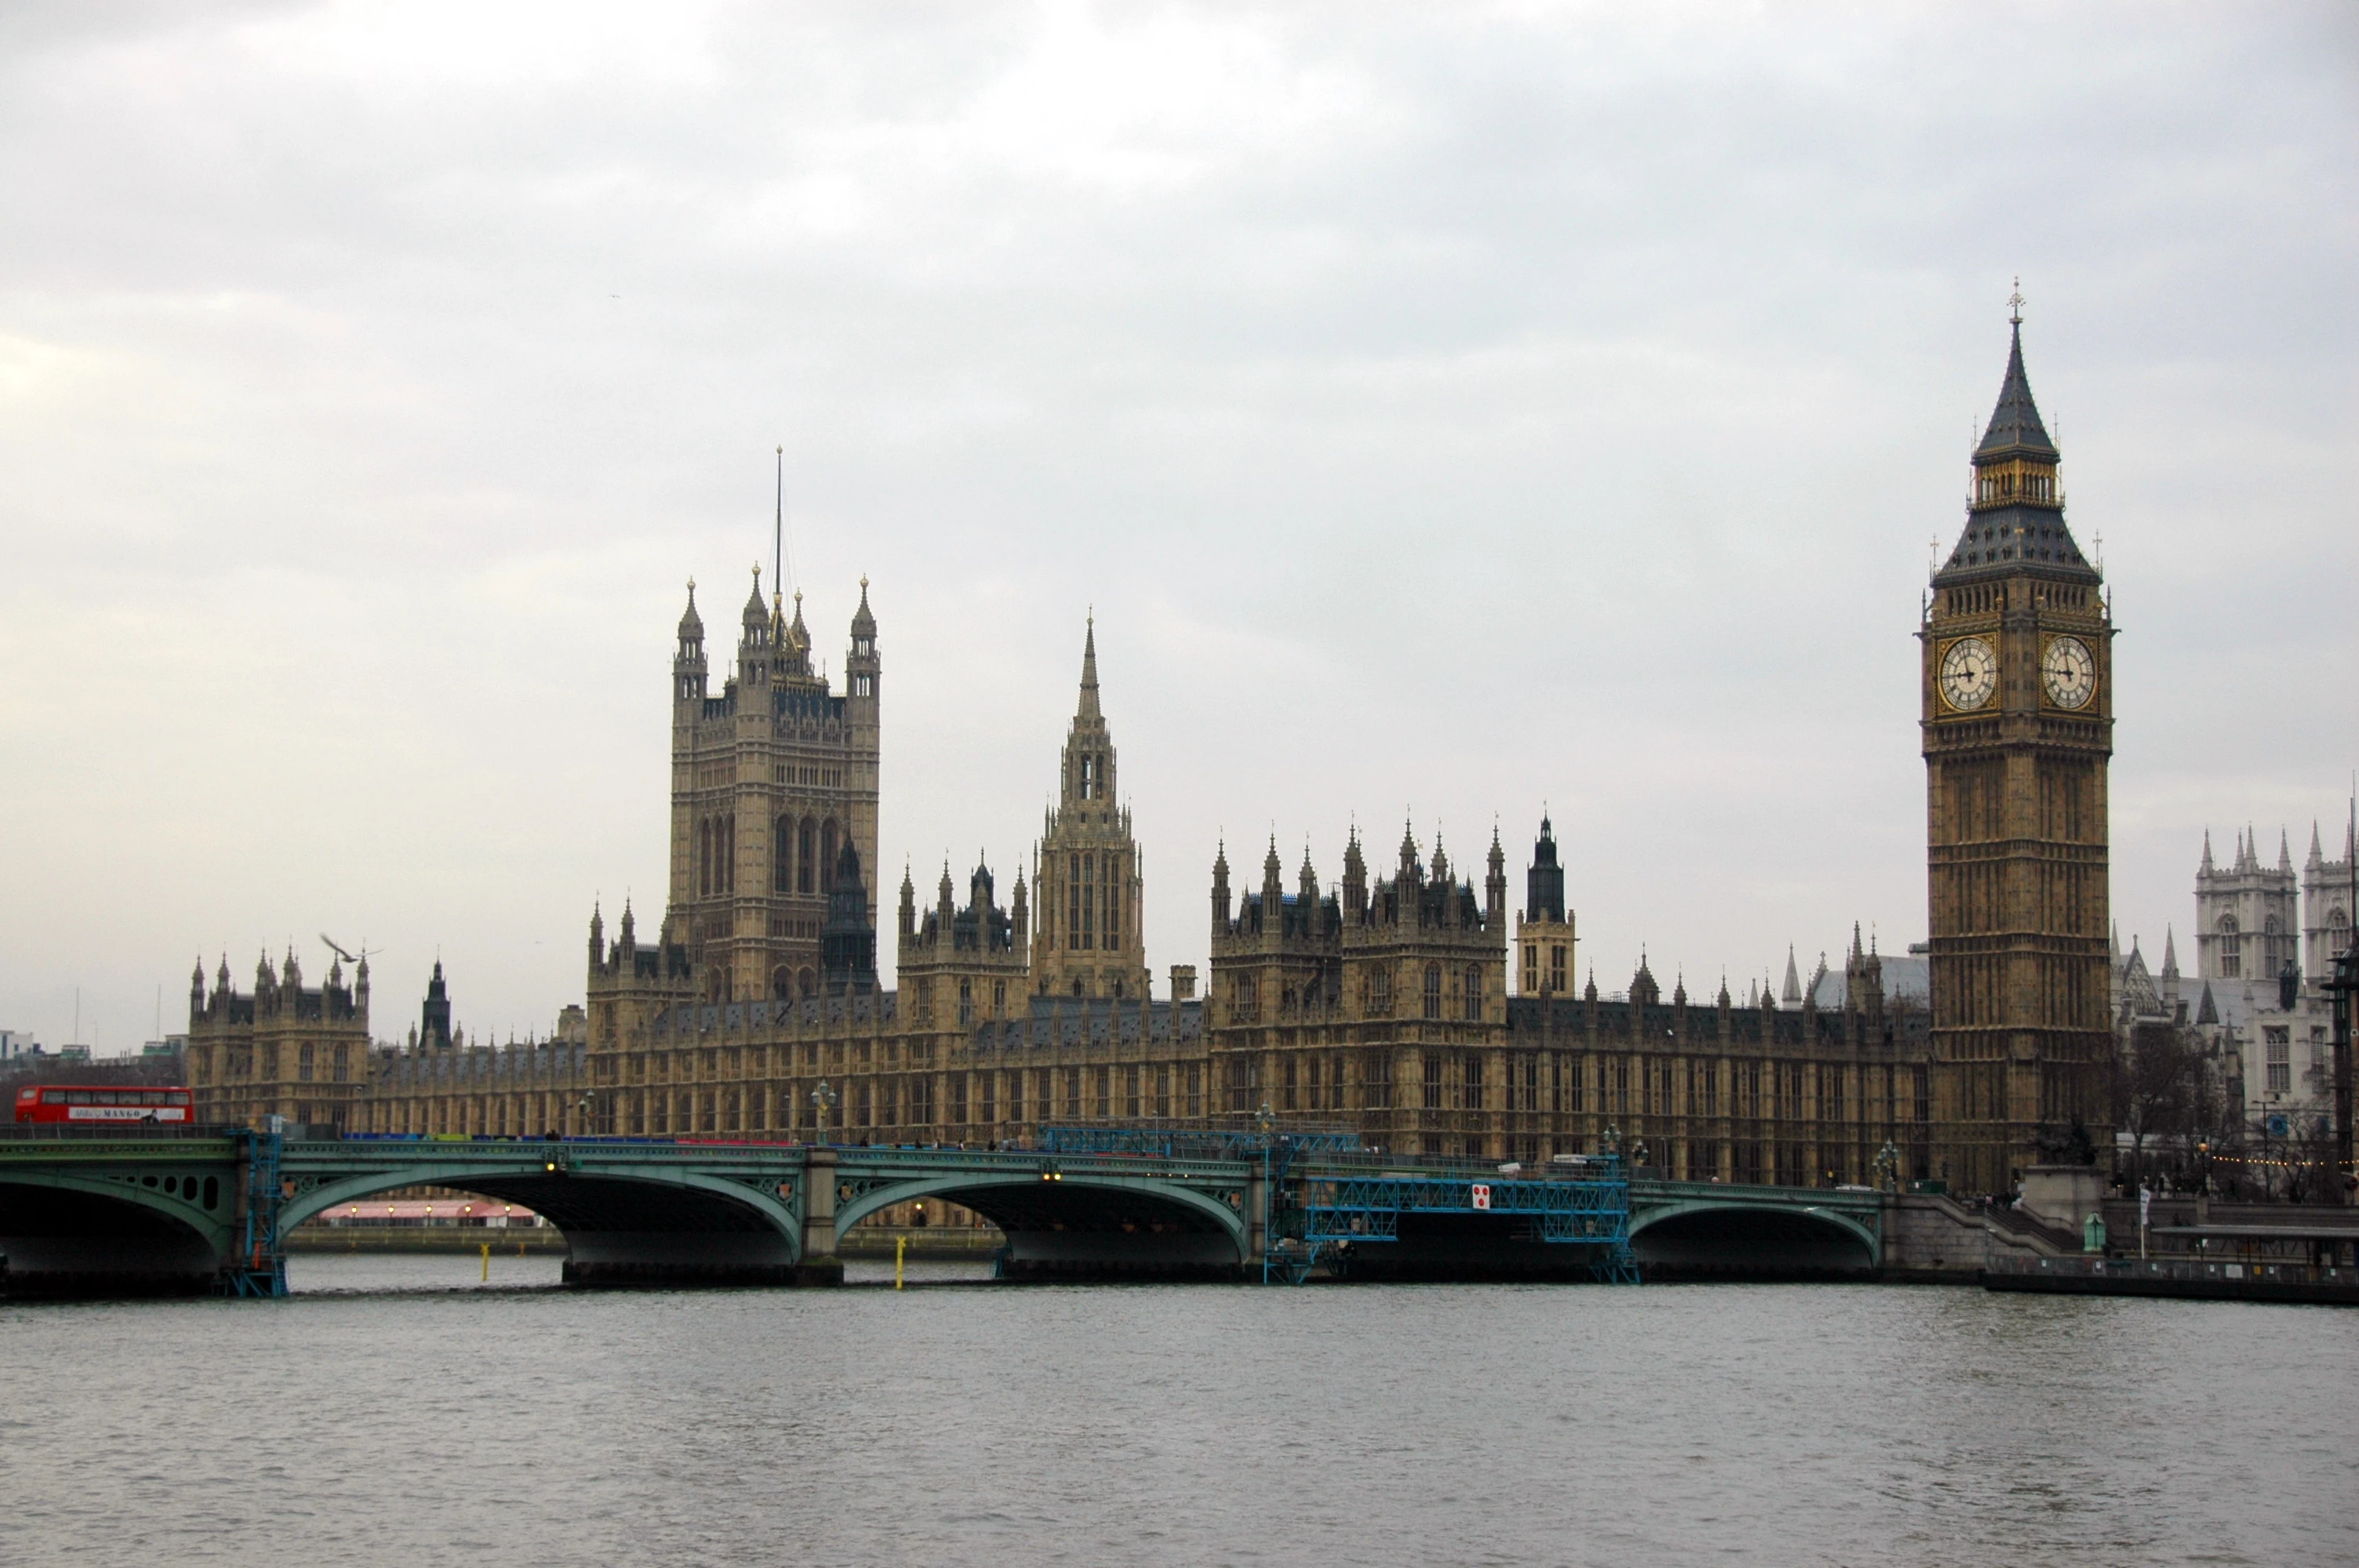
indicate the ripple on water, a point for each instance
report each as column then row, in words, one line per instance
column 404, row 1408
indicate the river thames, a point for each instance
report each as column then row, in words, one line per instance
column 395, row 1411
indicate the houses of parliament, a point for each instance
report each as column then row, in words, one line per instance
column 1379, row 999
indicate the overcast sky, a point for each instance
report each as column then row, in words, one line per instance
column 1447, row 410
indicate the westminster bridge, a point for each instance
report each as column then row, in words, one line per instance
column 169, row 1212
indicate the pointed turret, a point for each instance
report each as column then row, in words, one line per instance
column 2316, row 859
column 1356, row 879
column 2169, row 954
column 1544, row 882
column 847, row 941
column 908, row 923
column 2205, row 870
column 2285, row 853
column 1089, row 705
column 1221, row 889
column 1495, row 885
column 1792, row 994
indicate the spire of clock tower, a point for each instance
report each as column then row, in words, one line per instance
column 2016, row 514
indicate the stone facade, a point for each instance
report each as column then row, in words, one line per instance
column 282, row 1050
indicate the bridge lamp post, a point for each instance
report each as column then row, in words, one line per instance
column 822, row 1101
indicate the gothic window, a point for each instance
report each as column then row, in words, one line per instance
column 1016, row 1096
column 804, row 855
column 2338, row 931
column 1113, row 904
column 1104, row 1088
column 1621, row 1106
column 1470, row 1071
column 1089, row 776
column 1163, row 1090
column 807, row 983
column 990, row 1098
column 1556, row 968
column 1473, row 992
column 2232, row 948
column 966, row 1003
column 1380, row 993
column 1249, row 993
column 2278, row 1043
column 1433, row 990
column 1288, row 1086
column 704, row 858
column 1432, row 1082
column 827, row 856
column 999, row 1002
column 782, row 867
column 1532, row 967
column 782, row 984
column 1130, row 1092
column 303, row 1063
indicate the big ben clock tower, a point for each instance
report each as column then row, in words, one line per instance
column 2017, row 728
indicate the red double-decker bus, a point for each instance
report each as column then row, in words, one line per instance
column 114, row 1103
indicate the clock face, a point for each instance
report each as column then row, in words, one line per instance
column 1969, row 673
column 2069, row 672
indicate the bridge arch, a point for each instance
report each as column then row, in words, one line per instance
column 631, row 1225
column 1081, row 1224
column 74, row 1233
column 1704, row 1237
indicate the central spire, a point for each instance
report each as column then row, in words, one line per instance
column 1089, row 707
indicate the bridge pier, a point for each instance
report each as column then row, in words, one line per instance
column 819, row 1264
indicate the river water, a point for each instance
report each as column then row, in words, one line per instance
column 396, row 1410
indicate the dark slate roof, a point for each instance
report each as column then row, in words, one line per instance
column 2015, row 424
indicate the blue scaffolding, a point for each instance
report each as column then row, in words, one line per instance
column 261, row 1265
column 1592, row 1211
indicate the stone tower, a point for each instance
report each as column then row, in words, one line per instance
column 2247, row 916
column 1544, row 931
column 2017, row 733
column 771, row 780
column 1088, row 940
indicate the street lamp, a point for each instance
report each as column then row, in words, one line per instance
column 823, row 1101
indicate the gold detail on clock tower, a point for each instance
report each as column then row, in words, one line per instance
column 2017, row 735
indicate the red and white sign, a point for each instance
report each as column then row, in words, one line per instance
column 1482, row 1195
